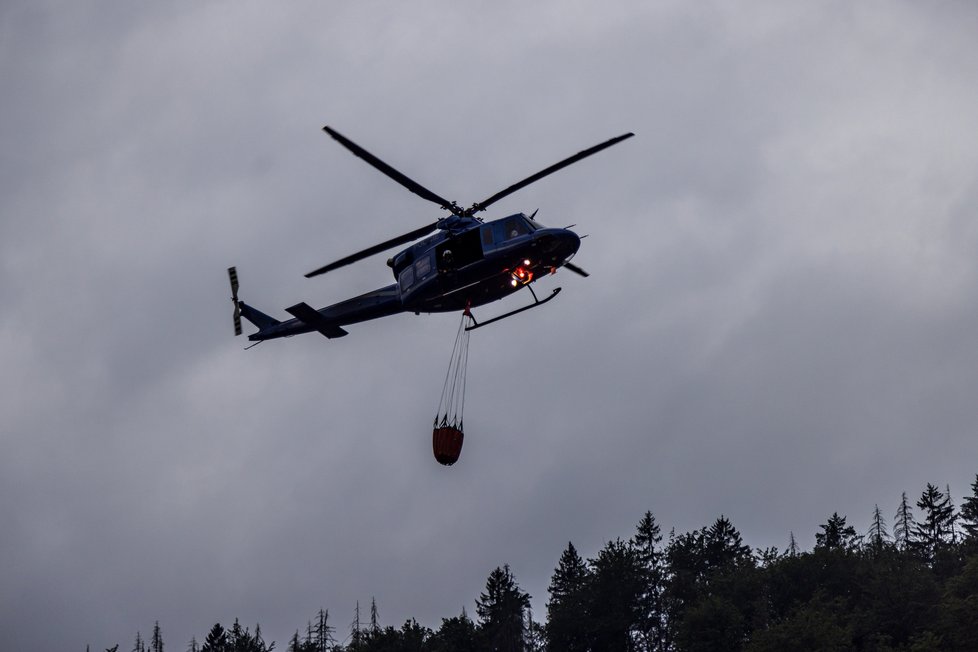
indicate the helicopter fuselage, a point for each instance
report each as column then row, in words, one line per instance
column 456, row 263
column 467, row 263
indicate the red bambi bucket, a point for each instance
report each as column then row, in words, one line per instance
column 446, row 442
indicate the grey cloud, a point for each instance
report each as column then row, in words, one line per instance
column 779, row 323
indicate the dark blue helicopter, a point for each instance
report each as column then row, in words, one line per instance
column 466, row 263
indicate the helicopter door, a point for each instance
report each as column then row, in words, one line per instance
column 459, row 251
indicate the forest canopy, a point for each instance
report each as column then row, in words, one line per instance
column 912, row 586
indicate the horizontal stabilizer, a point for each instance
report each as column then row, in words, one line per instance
column 312, row 317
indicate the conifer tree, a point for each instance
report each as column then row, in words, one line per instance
column 566, row 609
column 156, row 643
column 192, row 645
column 877, row 535
column 259, row 642
column 724, row 546
column 295, row 645
column 413, row 636
column 764, row 557
column 836, row 535
column 139, row 645
column 969, row 513
column 238, row 637
column 687, row 570
column 502, row 610
column 533, row 634
column 792, row 550
column 954, row 515
column 614, row 591
column 935, row 530
column 374, row 626
column 904, row 526
column 217, row 640
column 323, row 632
column 651, row 623
column 356, row 636
column 456, row 634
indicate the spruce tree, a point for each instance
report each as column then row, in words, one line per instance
column 724, row 547
column 323, row 632
column 935, row 530
column 156, row 643
column 904, row 526
column 792, row 550
column 374, row 625
column 877, row 536
column 356, row 635
column 954, row 515
column 502, row 610
column 259, row 642
column 969, row 514
column 238, row 637
column 295, row 645
column 217, row 640
column 651, row 619
column 836, row 535
column 614, row 592
column 533, row 634
column 687, row 570
column 567, row 619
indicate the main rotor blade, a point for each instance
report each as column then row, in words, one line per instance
column 577, row 270
column 485, row 203
column 408, row 183
column 376, row 249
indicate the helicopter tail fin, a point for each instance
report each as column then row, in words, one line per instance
column 241, row 309
column 257, row 317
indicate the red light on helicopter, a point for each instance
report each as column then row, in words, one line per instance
column 521, row 275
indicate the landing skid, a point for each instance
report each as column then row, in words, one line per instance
column 536, row 302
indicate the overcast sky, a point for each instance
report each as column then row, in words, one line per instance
column 781, row 321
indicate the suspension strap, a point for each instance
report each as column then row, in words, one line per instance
column 452, row 402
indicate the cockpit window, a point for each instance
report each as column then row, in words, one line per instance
column 499, row 232
column 407, row 278
column 423, row 267
column 514, row 227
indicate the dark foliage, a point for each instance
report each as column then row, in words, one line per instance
column 706, row 590
column 567, row 626
column 502, row 612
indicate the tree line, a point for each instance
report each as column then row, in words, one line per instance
column 912, row 587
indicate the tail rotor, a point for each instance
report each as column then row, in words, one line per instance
column 233, row 276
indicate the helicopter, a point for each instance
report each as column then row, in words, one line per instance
column 458, row 262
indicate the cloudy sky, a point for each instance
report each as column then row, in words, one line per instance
column 781, row 322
